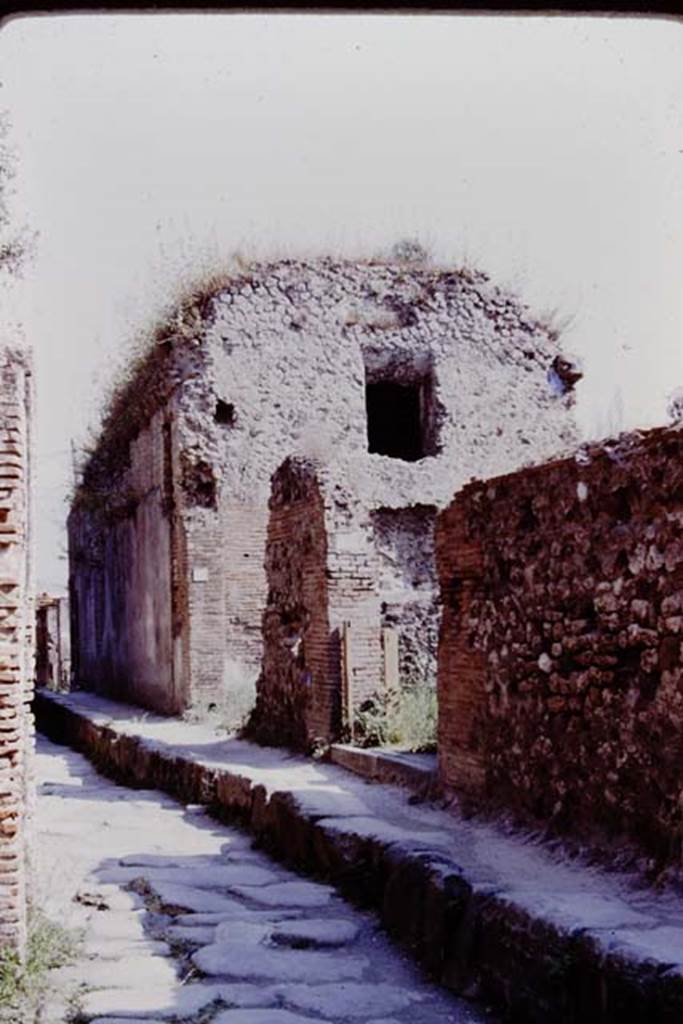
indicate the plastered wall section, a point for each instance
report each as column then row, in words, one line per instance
column 16, row 645
column 121, row 594
column 560, row 669
column 320, row 575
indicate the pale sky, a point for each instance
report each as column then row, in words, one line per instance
column 548, row 151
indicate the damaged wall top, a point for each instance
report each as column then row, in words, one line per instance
column 283, row 360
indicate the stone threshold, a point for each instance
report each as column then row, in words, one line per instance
column 491, row 916
column 417, row 772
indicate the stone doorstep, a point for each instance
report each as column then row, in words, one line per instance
column 417, row 772
column 537, row 959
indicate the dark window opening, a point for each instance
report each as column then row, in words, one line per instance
column 400, row 419
column 199, row 483
column 225, row 413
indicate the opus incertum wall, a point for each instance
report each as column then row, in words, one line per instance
column 16, row 643
column 560, row 660
column 405, row 380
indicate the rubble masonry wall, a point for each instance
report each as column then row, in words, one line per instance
column 560, row 661
column 275, row 362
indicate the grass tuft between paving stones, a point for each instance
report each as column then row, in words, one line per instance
column 24, row 987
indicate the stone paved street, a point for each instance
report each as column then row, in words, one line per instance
column 183, row 920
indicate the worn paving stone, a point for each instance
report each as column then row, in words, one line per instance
column 348, row 999
column 191, row 898
column 161, row 1001
column 247, row 995
column 320, row 933
column 202, row 935
column 249, row 933
column 128, row 973
column 289, row 894
column 260, row 1017
column 237, row 912
column 232, row 960
column 208, row 876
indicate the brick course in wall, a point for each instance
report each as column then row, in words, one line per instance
column 16, row 644
column 560, row 661
column 168, row 528
column 321, row 573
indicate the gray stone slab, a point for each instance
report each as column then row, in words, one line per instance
column 243, row 933
column 156, row 1001
column 204, row 876
column 244, row 994
column 289, row 894
column 129, row 973
column 190, row 898
column 232, row 960
column 202, row 935
column 348, row 999
column 236, row 912
column 317, row 933
column 260, row 1017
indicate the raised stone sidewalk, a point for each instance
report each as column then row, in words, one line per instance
column 487, row 914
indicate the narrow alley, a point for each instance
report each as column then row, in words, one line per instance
column 183, row 920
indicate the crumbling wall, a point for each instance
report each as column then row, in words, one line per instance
column 321, row 625
column 281, row 360
column 404, row 541
column 292, row 347
column 16, row 648
column 560, row 667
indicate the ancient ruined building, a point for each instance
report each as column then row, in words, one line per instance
column 402, row 381
column 16, row 642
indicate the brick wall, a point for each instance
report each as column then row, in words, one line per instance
column 321, row 574
column 560, row 671
column 16, row 644
column 244, row 542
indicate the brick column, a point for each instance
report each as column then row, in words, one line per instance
column 462, row 666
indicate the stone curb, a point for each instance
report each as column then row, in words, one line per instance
column 388, row 767
column 468, row 936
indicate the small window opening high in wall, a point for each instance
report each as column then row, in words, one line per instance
column 402, row 420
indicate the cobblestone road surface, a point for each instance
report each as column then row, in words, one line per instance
column 184, row 921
